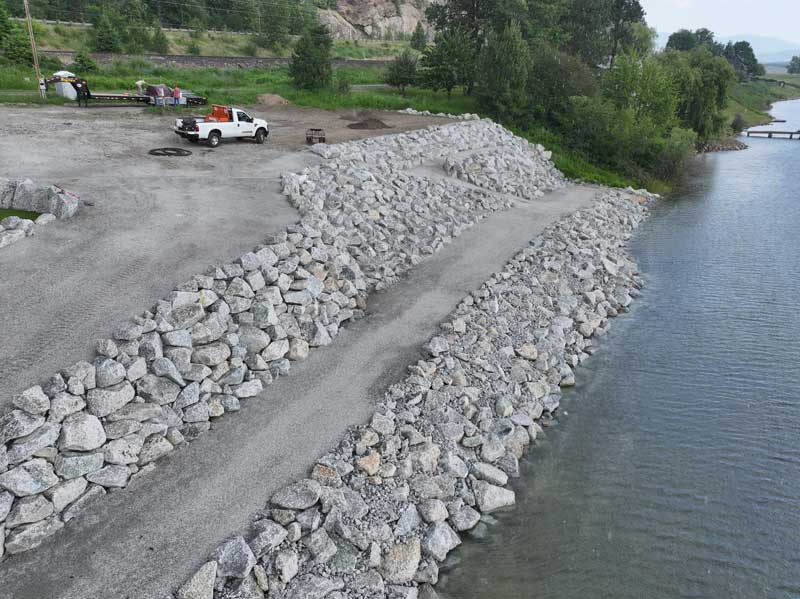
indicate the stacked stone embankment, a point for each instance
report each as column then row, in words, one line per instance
column 378, row 514
column 504, row 169
column 222, row 336
column 50, row 202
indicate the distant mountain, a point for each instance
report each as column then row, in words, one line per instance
column 768, row 49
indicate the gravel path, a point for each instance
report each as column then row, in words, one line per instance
column 159, row 530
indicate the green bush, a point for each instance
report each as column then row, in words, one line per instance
column 402, row 71
column 193, row 48
column 15, row 47
column 84, row 63
column 342, row 82
column 250, row 48
column 554, row 77
column 739, row 123
column 625, row 141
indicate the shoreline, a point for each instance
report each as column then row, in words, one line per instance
column 440, row 449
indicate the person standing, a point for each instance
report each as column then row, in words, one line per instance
column 176, row 96
column 82, row 90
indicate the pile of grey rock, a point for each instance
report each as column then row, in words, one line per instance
column 222, row 336
column 379, row 514
column 390, row 218
column 517, row 168
column 467, row 116
column 51, row 202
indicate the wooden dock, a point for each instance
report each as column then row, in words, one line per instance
column 774, row 134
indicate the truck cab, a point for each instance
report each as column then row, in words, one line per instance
column 224, row 122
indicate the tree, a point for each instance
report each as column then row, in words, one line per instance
column 555, row 76
column 402, row 71
column 159, row 42
column 587, row 25
column 449, row 62
column 794, row 65
column 645, row 86
column 504, row 74
column 624, row 14
column 104, row 37
column 311, row 60
column 476, row 18
column 419, row 39
column 702, row 81
column 682, row 41
column 743, row 59
column 275, row 23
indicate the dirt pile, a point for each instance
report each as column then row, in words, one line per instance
column 369, row 124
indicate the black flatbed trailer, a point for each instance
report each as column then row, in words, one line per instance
column 120, row 97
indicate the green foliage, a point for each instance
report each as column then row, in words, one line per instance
column 624, row 141
column 342, row 82
column 159, row 42
column 503, row 74
column 84, row 63
column 743, row 59
column 644, row 86
column 311, row 60
column 419, row 39
column 5, row 22
column 476, row 18
column 450, row 62
column 794, row 66
column 702, row 81
column 250, row 48
column 15, row 46
column 193, row 48
column 682, row 40
column 555, row 76
column 105, row 37
column 274, row 32
column 623, row 15
column 739, row 123
column 402, row 71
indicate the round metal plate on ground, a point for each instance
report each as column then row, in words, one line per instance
column 170, row 152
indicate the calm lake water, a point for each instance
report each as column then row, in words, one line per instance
column 674, row 469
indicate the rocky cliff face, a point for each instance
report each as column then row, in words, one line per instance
column 358, row 19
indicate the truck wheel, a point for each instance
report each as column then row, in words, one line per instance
column 213, row 139
column 261, row 136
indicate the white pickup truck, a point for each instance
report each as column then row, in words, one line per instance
column 224, row 122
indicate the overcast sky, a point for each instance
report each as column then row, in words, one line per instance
column 772, row 18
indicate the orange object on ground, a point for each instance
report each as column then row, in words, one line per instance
column 220, row 114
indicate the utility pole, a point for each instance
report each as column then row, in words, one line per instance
column 39, row 78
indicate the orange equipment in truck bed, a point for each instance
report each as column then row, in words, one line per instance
column 220, row 114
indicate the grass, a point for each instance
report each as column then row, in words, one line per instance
column 243, row 86
column 73, row 38
column 752, row 99
column 4, row 212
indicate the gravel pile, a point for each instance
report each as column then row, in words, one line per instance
column 378, row 514
column 221, row 337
